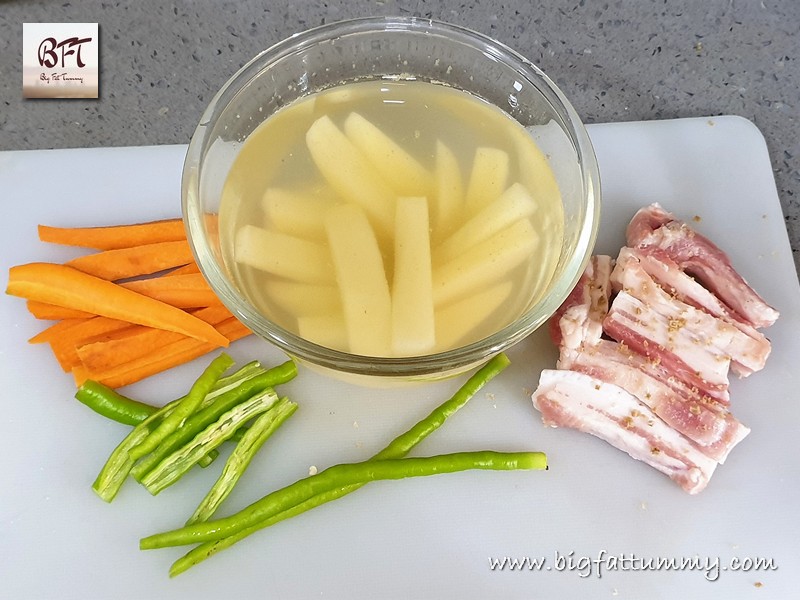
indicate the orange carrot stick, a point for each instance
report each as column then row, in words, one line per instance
column 64, row 286
column 115, row 350
column 64, row 346
column 51, row 312
column 134, row 261
column 186, row 269
column 160, row 359
column 183, row 291
column 115, row 236
column 55, row 330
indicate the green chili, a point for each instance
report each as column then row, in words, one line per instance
column 113, row 405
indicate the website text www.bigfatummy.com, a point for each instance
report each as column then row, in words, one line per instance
column 603, row 562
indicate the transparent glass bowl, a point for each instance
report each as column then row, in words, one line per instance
column 391, row 47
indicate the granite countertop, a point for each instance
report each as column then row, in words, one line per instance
column 161, row 62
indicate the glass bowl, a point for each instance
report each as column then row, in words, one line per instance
column 393, row 48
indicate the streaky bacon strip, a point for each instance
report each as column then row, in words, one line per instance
column 578, row 401
column 579, row 319
column 701, row 258
column 748, row 353
column 642, row 329
column 703, row 420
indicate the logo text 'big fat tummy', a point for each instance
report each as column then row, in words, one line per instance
column 60, row 60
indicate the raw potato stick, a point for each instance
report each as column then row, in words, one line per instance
column 350, row 174
column 295, row 213
column 413, row 331
column 64, row 286
column 362, row 280
column 487, row 180
column 404, row 173
column 123, row 263
column 326, row 330
column 397, row 448
column 484, row 263
column 460, row 319
column 513, row 205
column 283, row 255
column 115, row 236
column 304, row 298
column 449, row 192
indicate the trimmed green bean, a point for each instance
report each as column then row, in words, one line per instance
column 238, row 461
column 398, row 448
column 203, row 418
column 342, row 476
column 185, row 407
column 172, row 468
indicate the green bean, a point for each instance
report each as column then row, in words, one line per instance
column 342, row 476
column 260, row 431
column 187, row 405
column 201, row 419
column 398, row 448
column 403, row 443
column 172, row 468
column 119, row 464
column 113, row 405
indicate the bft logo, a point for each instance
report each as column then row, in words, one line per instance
column 60, row 60
column 48, row 57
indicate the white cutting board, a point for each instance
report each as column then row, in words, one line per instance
column 426, row 538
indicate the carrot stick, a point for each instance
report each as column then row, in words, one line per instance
column 116, row 236
column 64, row 286
column 183, row 291
column 186, row 269
column 103, row 355
column 160, row 359
column 135, row 261
column 55, row 330
column 64, row 346
column 51, row 312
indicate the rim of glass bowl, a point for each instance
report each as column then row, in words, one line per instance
column 450, row 360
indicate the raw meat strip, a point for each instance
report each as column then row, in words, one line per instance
column 575, row 400
column 700, row 418
column 642, row 329
column 701, row 258
column 579, row 319
column 747, row 353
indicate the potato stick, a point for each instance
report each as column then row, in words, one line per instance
column 484, row 263
column 161, row 359
column 448, row 192
column 115, row 236
column 300, row 214
column 413, row 330
column 68, row 287
column 362, row 280
column 404, row 173
column 350, row 174
column 283, row 255
column 514, row 204
column 183, row 291
column 102, row 355
column 326, row 330
column 51, row 312
column 460, row 321
column 535, row 172
column 487, row 180
column 123, row 263
column 304, row 298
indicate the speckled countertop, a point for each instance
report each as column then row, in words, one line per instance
column 617, row 60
